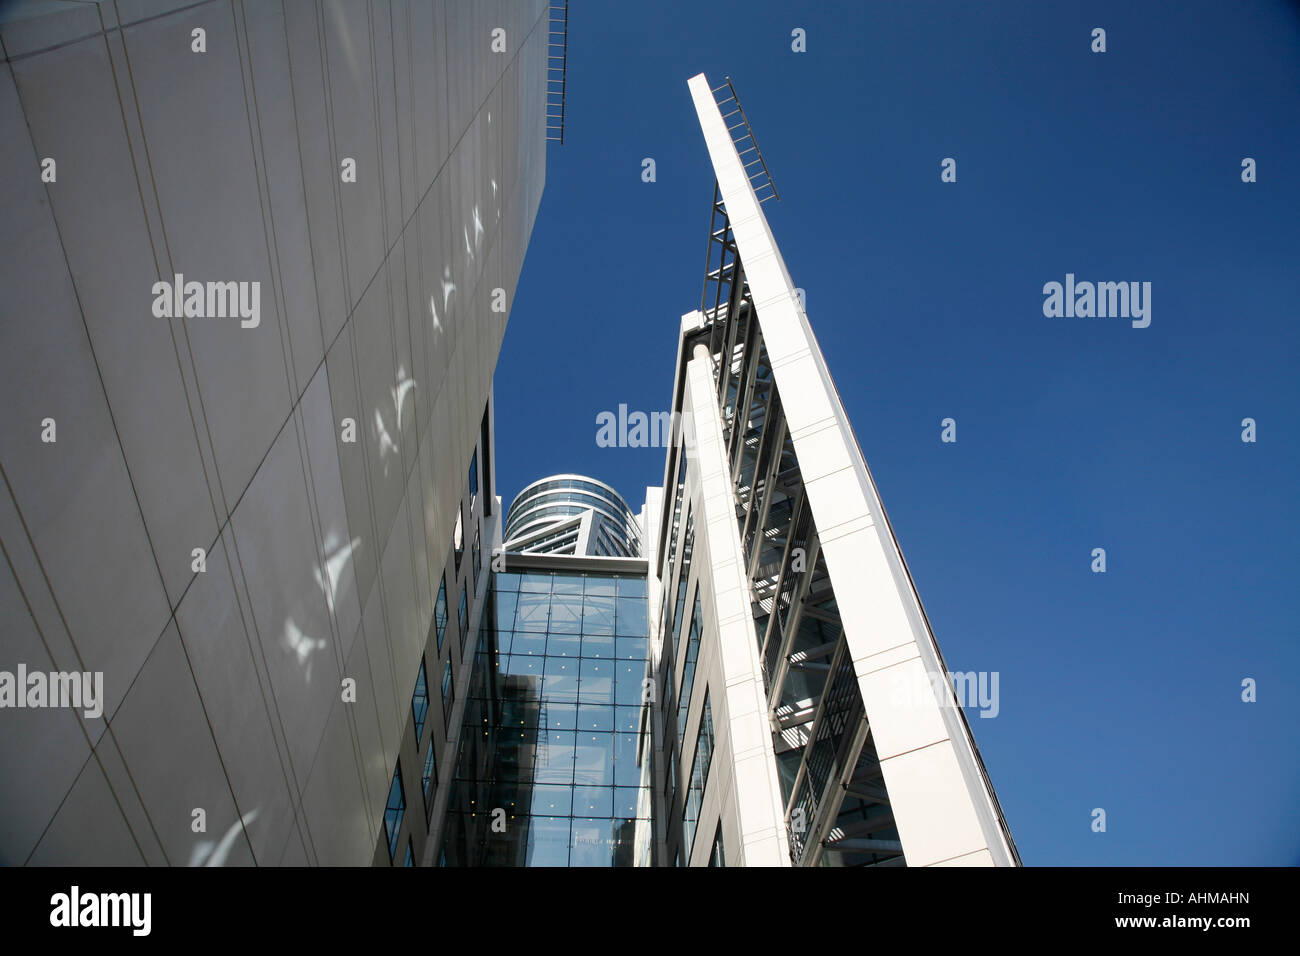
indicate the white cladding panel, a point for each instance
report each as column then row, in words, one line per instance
column 323, row 558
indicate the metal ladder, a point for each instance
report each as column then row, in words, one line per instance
column 763, row 174
column 557, row 62
column 721, row 258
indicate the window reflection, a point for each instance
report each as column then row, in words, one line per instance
column 699, row 776
column 420, row 702
column 559, row 697
column 394, row 811
column 440, row 612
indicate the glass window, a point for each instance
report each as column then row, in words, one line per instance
column 678, row 499
column 440, row 612
column 594, row 716
column 567, row 584
column 598, row 683
column 506, row 603
column 429, row 781
column 683, row 580
column 473, row 479
column 554, row 758
column 477, row 563
column 668, row 696
column 552, row 801
column 627, row 718
column 593, row 761
column 462, row 613
column 532, row 612
column 410, row 854
column 704, row 746
column 631, row 618
column 394, row 812
column 561, row 679
column 688, row 667
column 593, row 802
column 632, row 648
column 535, row 581
column 631, row 587
column 560, row 721
column 528, row 643
column 597, row 614
column 601, row 646
column 448, row 693
column 459, row 537
column 718, row 856
column 627, row 802
column 600, row 587
column 699, row 777
column 563, row 644
column 627, row 773
column 628, row 679
column 548, row 842
column 566, row 614
column 561, row 716
column 420, row 703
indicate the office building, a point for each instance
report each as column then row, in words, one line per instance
column 551, row 770
column 572, row 514
column 258, row 262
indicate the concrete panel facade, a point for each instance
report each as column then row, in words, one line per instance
column 215, row 141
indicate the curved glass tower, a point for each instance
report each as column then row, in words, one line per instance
column 572, row 514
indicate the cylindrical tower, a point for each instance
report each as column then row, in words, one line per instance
column 572, row 514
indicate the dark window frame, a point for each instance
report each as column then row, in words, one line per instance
column 393, row 830
column 473, row 480
column 429, row 780
column 462, row 612
column 440, row 612
column 420, row 713
column 448, row 694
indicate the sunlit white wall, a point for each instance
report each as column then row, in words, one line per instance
column 322, row 557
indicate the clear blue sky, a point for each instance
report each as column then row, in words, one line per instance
column 1118, row 690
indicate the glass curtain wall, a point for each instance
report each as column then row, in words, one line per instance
column 548, row 773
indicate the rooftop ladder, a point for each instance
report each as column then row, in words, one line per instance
column 742, row 135
column 557, row 62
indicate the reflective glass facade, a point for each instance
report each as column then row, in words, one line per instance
column 548, row 773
